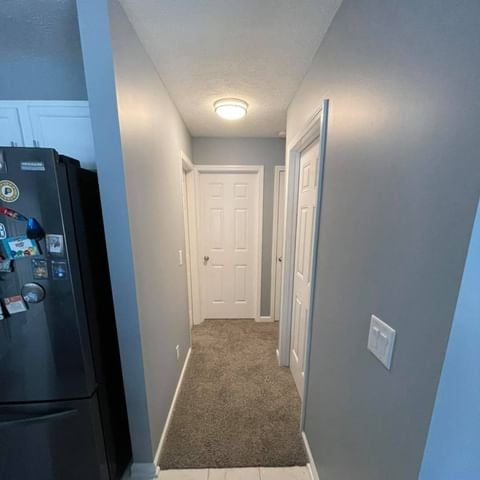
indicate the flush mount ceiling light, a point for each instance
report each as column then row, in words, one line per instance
column 230, row 108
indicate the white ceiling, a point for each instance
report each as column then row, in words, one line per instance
column 256, row 50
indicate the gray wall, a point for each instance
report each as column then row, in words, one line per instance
column 402, row 181
column 153, row 134
column 138, row 137
column 454, row 436
column 40, row 54
column 249, row 151
column 100, row 77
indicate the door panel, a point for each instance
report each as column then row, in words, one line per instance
column 67, row 129
column 45, row 350
column 228, row 244
column 52, row 441
column 307, row 198
column 10, row 128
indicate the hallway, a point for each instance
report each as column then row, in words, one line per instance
column 236, row 407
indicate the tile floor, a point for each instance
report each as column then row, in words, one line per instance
column 285, row 473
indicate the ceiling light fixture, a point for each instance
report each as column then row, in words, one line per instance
column 230, row 108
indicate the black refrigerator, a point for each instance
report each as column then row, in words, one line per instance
column 62, row 406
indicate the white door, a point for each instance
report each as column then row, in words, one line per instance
column 65, row 128
column 280, row 236
column 229, row 237
column 10, row 128
column 307, row 198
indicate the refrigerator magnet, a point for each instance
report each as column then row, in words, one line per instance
column 59, row 270
column 9, row 192
column 15, row 304
column 39, row 269
column 3, row 231
column 33, row 292
column 6, row 266
column 3, row 163
column 32, row 166
column 18, row 247
column 55, row 244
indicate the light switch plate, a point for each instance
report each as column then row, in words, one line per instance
column 180, row 258
column 381, row 340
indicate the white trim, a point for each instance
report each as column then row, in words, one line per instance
column 315, row 128
column 172, row 407
column 187, row 172
column 275, row 254
column 141, row 471
column 228, row 168
column 259, row 171
column 264, row 319
column 312, row 468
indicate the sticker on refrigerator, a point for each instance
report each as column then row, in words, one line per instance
column 39, row 269
column 6, row 266
column 18, row 247
column 3, row 163
column 33, row 292
column 3, row 231
column 54, row 244
column 15, row 304
column 9, row 192
column 59, row 270
column 32, row 166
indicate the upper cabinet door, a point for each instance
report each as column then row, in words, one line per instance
column 65, row 128
column 10, row 128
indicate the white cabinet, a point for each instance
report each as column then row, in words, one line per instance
column 62, row 125
column 10, row 127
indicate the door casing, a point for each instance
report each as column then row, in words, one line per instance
column 316, row 128
column 278, row 209
column 188, row 179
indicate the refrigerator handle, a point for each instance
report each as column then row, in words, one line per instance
column 34, row 418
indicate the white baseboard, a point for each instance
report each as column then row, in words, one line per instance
column 311, row 462
column 263, row 319
column 141, row 471
column 172, row 406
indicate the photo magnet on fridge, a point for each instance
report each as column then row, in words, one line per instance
column 39, row 269
column 55, row 244
column 59, row 270
column 6, row 266
column 18, row 247
column 15, row 304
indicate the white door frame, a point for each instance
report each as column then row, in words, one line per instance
column 276, row 210
column 188, row 179
column 316, row 128
column 258, row 170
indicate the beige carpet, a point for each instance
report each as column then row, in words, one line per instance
column 236, row 407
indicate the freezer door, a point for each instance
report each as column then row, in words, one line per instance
column 45, row 351
column 53, row 441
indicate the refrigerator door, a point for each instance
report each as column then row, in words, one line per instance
column 45, row 351
column 52, row 441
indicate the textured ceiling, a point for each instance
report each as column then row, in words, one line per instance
column 257, row 50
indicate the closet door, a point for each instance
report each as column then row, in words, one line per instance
column 65, row 128
column 10, row 128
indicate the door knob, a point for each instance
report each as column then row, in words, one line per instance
column 206, row 258
column 280, row 259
